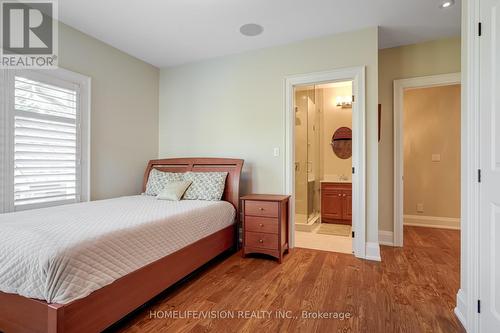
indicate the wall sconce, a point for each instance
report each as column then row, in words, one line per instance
column 345, row 102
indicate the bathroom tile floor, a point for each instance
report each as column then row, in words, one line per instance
column 313, row 240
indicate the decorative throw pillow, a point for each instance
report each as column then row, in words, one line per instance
column 158, row 179
column 205, row 186
column 174, row 190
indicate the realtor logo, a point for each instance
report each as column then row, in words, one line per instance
column 29, row 34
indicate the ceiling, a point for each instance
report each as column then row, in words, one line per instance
column 341, row 84
column 335, row 85
column 171, row 32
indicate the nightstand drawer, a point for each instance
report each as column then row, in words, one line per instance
column 261, row 224
column 261, row 208
column 261, row 240
column 265, row 224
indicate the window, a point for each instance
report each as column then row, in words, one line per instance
column 46, row 141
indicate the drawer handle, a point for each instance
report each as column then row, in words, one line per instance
column 340, row 195
column 260, row 208
column 261, row 241
column 344, row 195
column 260, row 224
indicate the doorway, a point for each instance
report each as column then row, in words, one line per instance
column 357, row 76
column 426, row 153
column 323, row 166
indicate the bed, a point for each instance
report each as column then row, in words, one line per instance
column 114, row 256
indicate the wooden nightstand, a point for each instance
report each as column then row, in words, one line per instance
column 265, row 224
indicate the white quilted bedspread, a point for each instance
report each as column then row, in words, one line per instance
column 63, row 253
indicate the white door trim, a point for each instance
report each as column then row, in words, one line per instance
column 399, row 87
column 357, row 75
column 468, row 294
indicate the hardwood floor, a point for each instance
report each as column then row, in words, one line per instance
column 412, row 290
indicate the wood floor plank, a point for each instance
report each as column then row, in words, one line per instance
column 412, row 290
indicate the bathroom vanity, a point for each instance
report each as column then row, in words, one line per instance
column 336, row 202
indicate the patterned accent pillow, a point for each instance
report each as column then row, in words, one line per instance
column 157, row 180
column 205, row 185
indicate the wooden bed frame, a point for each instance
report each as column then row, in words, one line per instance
column 109, row 304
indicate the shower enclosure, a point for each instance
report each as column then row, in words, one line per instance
column 308, row 101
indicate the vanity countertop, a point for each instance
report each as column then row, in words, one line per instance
column 335, row 179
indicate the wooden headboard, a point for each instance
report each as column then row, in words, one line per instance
column 231, row 166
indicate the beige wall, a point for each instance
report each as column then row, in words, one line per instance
column 436, row 57
column 432, row 127
column 335, row 117
column 124, row 111
column 233, row 106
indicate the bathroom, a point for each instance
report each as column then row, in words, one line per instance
column 323, row 166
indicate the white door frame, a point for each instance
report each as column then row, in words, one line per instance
column 357, row 75
column 400, row 86
column 468, row 294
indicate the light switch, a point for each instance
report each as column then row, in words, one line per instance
column 276, row 152
column 436, row 157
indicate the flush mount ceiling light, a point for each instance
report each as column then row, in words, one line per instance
column 251, row 29
column 447, row 4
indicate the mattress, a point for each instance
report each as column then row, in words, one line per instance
column 60, row 254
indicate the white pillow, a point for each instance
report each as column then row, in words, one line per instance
column 158, row 179
column 174, row 190
column 205, row 186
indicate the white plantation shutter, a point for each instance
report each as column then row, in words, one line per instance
column 4, row 133
column 48, row 150
column 45, row 143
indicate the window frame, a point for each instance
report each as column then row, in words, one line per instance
column 63, row 78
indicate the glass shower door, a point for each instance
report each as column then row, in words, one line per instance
column 301, row 160
column 307, row 154
column 313, row 153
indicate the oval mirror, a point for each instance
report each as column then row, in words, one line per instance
column 342, row 142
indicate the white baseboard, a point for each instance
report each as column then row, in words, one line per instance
column 461, row 308
column 432, row 221
column 386, row 237
column 372, row 251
